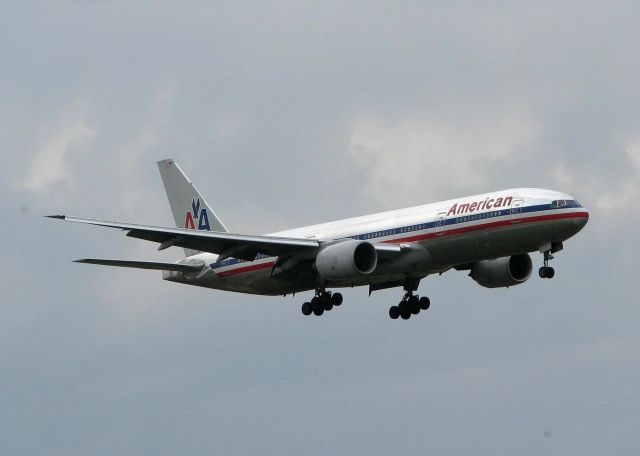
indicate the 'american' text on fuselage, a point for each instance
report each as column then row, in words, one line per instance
column 489, row 203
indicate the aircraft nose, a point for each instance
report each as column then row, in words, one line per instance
column 582, row 220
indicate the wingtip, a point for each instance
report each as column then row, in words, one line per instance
column 83, row 261
column 61, row 217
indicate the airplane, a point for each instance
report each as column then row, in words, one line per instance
column 491, row 235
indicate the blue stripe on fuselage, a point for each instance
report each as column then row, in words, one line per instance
column 403, row 230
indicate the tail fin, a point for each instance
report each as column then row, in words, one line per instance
column 190, row 210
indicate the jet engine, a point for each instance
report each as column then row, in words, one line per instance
column 502, row 272
column 346, row 260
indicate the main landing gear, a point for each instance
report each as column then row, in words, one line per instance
column 410, row 305
column 546, row 271
column 321, row 302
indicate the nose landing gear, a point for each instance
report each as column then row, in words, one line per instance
column 546, row 271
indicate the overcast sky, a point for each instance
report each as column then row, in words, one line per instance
column 286, row 115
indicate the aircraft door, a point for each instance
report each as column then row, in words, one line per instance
column 516, row 210
column 440, row 223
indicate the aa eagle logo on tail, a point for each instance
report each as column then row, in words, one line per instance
column 197, row 215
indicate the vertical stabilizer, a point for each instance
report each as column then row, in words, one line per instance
column 189, row 208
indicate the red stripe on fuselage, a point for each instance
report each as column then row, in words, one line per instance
column 421, row 237
column 251, row 267
column 508, row 222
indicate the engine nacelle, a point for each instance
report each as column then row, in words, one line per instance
column 502, row 272
column 346, row 260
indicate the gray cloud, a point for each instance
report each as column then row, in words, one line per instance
column 287, row 115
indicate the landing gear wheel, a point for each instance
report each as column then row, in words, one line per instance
column 394, row 312
column 547, row 272
column 405, row 314
column 542, row 272
column 306, row 308
column 316, row 306
column 325, row 298
column 318, row 311
column 328, row 306
column 336, row 299
column 414, row 305
column 424, row 303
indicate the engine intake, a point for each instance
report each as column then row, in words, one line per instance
column 346, row 260
column 502, row 272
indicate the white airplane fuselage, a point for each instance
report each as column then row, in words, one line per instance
column 449, row 233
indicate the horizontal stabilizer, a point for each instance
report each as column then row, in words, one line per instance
column 145, row 265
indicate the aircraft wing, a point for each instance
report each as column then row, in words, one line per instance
column 226, row 245
column 179, row 267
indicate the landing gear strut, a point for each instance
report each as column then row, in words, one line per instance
column 410, row 305
column 321, row 302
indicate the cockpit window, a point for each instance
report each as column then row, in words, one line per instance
column 557, row 204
